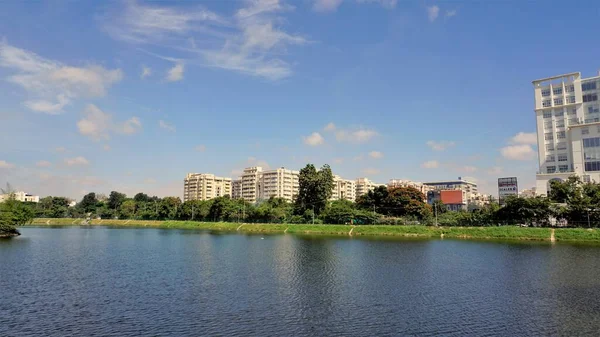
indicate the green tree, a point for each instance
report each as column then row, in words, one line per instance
column 115, row 199
column 89, row 203
column 168, row 208
column 315, row 190
column 12, row 214
column 374, row 199
column 339, row 212
column 406, row 201
column 127, row 209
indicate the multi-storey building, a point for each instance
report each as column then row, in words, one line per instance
column 20, row 196
column 343, row 189
column 568, row 128
column 280, row 183
column 507, row 187
column 469, row 187
column 236, row 188
column 205, row 186
column 408, row 183
column 527, row 193
column 251, row 183
column 256, row 184
column 364, row 185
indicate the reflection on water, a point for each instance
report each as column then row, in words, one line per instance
column 155, row 282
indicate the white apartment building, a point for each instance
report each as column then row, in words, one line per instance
column 20, row 196
column 568, row 128
column 205, row 186
column 279, row 183
column 408, row 183
column 469, row 187
column 256, row 184
column 364, row 185
column 236, row 188
column 343, row 189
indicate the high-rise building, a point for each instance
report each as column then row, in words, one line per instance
column 279, row 183
column 205, row 186
column 507, row 187
column 408, row 183
column 251, row 183
column 343, row 189
column 236, row 188
column 568, row 128
column 256, row 184
column 364, row 185
column 469, row 187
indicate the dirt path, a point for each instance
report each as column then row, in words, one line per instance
column 552, row 238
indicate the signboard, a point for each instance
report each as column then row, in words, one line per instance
column 507, row 187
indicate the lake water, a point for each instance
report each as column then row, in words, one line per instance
column 98, row 281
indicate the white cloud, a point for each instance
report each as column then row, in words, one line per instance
column 176, row 73
column 338, row 160
column 360, row 135
column 314, row 139
column 201, row 148
column 518, row 152
column 53, row 84
column 60, row 149
column 376, row 154
column 495, row 170
column 433, row 12
column 529, row 138
column 451, row 13
column 146, row 71
column 43, row 163
column 164, row 125
column 371, row 171
column 250, row 42
column 329, row 127
column 77, row 161
column 430, row 164
column 6, row 165
column 98, row 124
column 441, row 145
column 360, row 157
column 326, row 5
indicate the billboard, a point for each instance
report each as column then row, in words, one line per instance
column 452, row 197
column 507, row 187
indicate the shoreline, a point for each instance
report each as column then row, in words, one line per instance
column 414, row 231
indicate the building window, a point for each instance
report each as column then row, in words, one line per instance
column 547, row 103
column 547, row 114
column 559, row 113
column 573, row 111
column 550, row 157
column 590, row 98
column 588, row 86
column 549, row 147
column 569, row 88
column 563, row 168
column 592, row 120
column 592, row 166
column 548, row 136
column 586, row 178
column 557, row 91
column 558, row 101
column 551, row 169
column 573, row 121
column 545, row 92
column 560, row 123
column 571, row 99
column 548, row 124
column 593, row 109
column 562, row 157
column 591, row 142
column 585, row 131
column 561, row 146
column 561, row 135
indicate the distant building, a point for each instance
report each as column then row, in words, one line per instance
column 257, row 184
column 469, row 187
column 205, row 186
column 507, row 187
column 454, row 200
column 343, row 189
column 408, row 183
column 251, row 183
column 364, row 185
column 20, row 196
column 236, row 188
column 528, row 193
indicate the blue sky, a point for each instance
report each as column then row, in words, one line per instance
column 130, row 96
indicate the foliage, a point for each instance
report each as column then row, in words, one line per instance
column 315, row 189
column 397, row 202
column 14, row 213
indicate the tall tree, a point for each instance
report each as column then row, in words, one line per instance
column 316, row 187
column 89, row 203
column 115, row 199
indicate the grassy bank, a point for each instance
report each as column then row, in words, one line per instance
column 504, row 232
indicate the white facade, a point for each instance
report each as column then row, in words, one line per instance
column 568, row 128
column 343, row 189
column 469, row 187
column 279, row 183
column 236, row 188
column 256, row 184
column 364, row 185
column 20, row 196
column 409, row 183
column 205, row 186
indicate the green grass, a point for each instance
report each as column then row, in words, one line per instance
column 502, row 232
column 577, row 234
